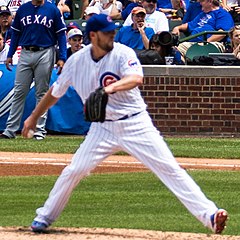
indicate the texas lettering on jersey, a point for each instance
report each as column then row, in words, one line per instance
column 37, row 19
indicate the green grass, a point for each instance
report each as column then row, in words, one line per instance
column 53, row 144
column 181, row 147
column 126, row 200
column 205, row 147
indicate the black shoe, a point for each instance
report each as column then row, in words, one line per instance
column 3, row 136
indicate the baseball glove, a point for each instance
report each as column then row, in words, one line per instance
column 95, row 106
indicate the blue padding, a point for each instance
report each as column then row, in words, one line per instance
column 64, row 117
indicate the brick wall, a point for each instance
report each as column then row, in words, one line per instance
column 193, row 105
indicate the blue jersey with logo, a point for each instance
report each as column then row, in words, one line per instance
column 41, row 26
column 212, row 21
column 38, row 25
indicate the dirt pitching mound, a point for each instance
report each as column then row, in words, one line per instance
column 104, row 234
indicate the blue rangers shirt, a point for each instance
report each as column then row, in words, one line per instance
column 41, row 26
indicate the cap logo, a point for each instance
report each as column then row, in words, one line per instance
column 3, row 8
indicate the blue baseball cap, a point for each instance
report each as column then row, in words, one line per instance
column 100, row 22
column 72, row 25
column 5, row 9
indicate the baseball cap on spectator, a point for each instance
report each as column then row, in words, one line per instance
column 100, row 22
column 72, row 25
column 5, row 9
column 92, row 10
column 74, row 32
column 137, row 10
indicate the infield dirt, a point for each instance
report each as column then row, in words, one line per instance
column 22, row 164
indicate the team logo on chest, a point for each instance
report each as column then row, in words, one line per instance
column 108, row 78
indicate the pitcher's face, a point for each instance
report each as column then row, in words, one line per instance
column 105, row 40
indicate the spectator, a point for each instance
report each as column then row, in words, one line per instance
column 107, row 6
column 72, row 25
column 137, row 35
column 154, row 19
column 64, row 8
column 115, row 9
column 37, row 34
column 232, row 6
column 13, row 5
column 193, row 10
column 6, row 31
column 164, row 4
column 165, row 49
column 68, row 15
column 235, row 40
column 89, row 12
column 213, row 18
column 127, row 10
column 84, row 6
column 176, row 12
column 5, row 22
column 4, row 48
column 75, row 39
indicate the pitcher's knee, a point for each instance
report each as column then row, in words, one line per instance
column 75, row 172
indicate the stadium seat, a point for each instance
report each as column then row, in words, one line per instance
column 201, row 49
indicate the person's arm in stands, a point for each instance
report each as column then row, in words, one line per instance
column 141, row 27
column 180, row 28
column 225, row 5
column 84, row 6
column 63, row 7
column 216, row 37
column 115, row 13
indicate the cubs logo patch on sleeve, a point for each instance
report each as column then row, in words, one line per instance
column 133, row 63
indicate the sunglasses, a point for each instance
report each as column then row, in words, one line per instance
column 149, row 1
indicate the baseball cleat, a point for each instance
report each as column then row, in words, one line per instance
column 39, row 227
column 3, row 136
column 219, row 220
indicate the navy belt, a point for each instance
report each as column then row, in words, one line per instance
column 33, row 48
column 124, row 117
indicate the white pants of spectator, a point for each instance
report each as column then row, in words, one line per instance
column 183, row 47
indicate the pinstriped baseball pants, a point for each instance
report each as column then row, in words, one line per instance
column 138, row 137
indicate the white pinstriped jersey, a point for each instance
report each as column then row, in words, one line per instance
column 85, row 75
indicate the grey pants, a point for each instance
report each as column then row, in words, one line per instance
column 32, row 66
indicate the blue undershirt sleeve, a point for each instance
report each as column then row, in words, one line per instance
column 14, row 44
column 62, row 43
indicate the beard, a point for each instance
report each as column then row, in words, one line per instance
column 107, row 47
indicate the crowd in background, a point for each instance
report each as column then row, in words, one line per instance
column 56, row 35
column 139, row 26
